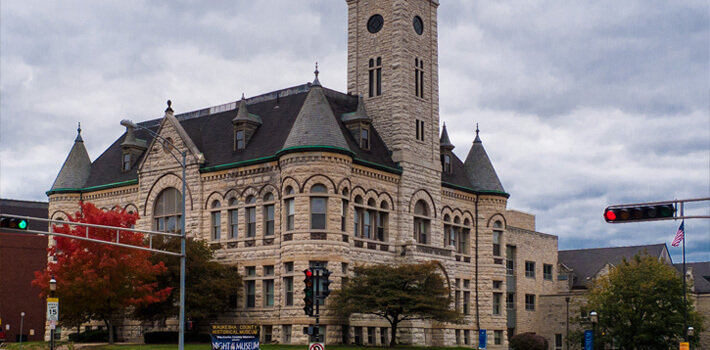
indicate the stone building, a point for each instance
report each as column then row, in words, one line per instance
column 307, row 176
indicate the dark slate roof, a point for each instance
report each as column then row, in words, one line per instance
column 359, row 115
column 316, row 124
column 211, row 130
column 586, row 263
column 244, row 115
column 444, row 140
column 76, row 168
column 479, row 169
column 701, row 275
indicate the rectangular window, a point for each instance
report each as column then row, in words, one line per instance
column 288, row 291
column 498, row 337
column 288, row 267
column 447, row 163
column 371, row 335
column 547, row 272
column 558, row 341
column 233, row 224
column 463, row 241
column 383, row 335
column 466, row 302
column 239, row 140
column 466, row 337
column 497, row 284
column 216, row 225
column 250, row 271
column 251, row 221
column 268, row 286
column 286, row 334
column 343, row 214
column 496, row 303
column 457, row 300
column 467, row 284
column 510, row 260
column 457, row 332
column 251, row 294
column 269, row 220
column 496, row 243
column 356, row 222
column 267, row 333
column 381, row 219
column 290, row 214
column 357, row 332
column 420, row 130
column 530, row 269
column 530, row 302
column 379, row 80
column 510, row 301
column 371, row 87
column 318, row 210
column 364, row 139
column 126, row 161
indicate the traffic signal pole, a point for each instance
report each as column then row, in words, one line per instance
column 317, row 299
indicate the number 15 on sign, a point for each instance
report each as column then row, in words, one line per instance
column 53, row 309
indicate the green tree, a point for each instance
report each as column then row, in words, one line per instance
column 96, row 280
column 397, row 293
column 210, row 287
column 640, row 306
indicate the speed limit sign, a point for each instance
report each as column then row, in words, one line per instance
column 52, row 309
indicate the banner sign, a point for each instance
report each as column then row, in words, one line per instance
column 588, row 340
column 235, row 337
column 482, row 339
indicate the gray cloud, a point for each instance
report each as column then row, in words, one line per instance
column 580, row 104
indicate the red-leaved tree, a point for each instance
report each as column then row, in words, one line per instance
column 96, row 280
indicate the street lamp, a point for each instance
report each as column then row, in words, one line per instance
column 567, row 336
column 691, row 333
column 171, row 147
column 52, row 289
column 22, row 321
column 594, row 318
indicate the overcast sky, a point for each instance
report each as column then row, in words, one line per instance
column 581, row 104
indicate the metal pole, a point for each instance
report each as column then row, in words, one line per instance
column 51, row 329
column 22, row 321
column 181, row 337
column 316, row 294
column 567, row 336
column 685, row 301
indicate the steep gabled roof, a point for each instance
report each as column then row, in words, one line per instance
column 587, row 263
column 479, row 169
column 76, row 168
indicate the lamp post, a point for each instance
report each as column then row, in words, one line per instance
column 691, row 333
column 22, row 321
column 52, row 289
column 594, row 318
column 183, row 164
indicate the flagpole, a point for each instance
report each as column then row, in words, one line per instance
column 685, row 301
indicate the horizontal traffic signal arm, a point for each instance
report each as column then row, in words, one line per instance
column 51, row 223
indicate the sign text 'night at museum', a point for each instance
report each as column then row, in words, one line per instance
column 235, row 337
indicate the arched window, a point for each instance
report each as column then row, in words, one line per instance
column 497, row 235
column 268, row 214
column 250, row 216
column 233, row 218
column 216, row 221
column 319, row 207
column 344, row 210
column 375, row 77
column 456, row 234
column 421, row 222
column 167, row 211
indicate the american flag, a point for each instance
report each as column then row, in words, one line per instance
column 679, row 235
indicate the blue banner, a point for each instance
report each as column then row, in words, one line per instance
column 482, row 338
column 588, row 340
column 235, row 342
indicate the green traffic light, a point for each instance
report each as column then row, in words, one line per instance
column 22, row 224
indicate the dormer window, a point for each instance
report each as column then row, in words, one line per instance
column 447, row 163
column 365, row 138
column 239, row 140
column 126, row 164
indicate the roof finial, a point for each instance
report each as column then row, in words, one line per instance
column 477, row 129
column 316, row 82
column 243, row 96
column 78, row 133
column 170, row 108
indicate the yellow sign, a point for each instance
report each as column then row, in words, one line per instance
column 52, row 300
column 684, row 346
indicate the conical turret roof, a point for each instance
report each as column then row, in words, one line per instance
column 243, row 114
column 479, row 169
column 315, row 124
column 444, row 141
column 76, row 168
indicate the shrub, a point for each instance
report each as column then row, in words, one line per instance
column 96, row 336
column 528, row 341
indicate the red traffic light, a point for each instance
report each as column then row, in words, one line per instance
column 635, row 212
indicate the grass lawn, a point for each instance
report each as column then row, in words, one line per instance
column 129, row 346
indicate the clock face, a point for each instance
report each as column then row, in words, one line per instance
column 374, row 24
column 418, row 25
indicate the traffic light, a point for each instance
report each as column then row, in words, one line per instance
column 326, row 283
column 633, row 213
column 308, row 294
column 13, row 223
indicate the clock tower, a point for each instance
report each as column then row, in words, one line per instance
column 393, row 63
